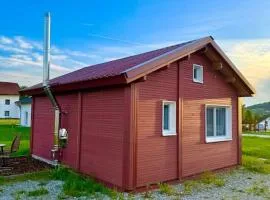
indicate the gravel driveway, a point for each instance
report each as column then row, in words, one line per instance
column 239, row 184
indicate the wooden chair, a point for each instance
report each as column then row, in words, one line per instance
column 14, row 148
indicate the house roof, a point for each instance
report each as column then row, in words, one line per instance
column 8, row 88
column 131, row 68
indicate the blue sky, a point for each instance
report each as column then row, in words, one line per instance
column 89, row 32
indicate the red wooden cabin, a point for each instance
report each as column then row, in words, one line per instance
column 158, row 116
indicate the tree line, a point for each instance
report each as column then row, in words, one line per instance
column 250, row 119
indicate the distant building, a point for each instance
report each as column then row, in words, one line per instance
column 9, row 94
column 25, row 111
column 261, row 125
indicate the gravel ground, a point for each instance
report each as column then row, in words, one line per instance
column 20, row 190
column 239, row 184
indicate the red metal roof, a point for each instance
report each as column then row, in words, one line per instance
column 108, row 69
column 7, row 88
column 126, row 70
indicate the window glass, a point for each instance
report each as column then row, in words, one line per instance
column 166, row 117
column 197, row 73
column 218, row 123
column 6, row 113
column 210, row 121
column 7, row 102
column 26, row 118
column 221, row 121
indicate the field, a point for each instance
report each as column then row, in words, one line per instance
column 9, row 121
column 8, row 132
column 256, row 154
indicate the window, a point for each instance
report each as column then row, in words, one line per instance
column 218, row 122
column 168, row 118
column 26, row 118
column 197, row 73
column 7, row 101
column 6, row 113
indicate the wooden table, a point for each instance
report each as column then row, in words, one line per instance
column 2, row 152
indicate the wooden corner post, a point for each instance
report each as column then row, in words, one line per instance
column 239, row 134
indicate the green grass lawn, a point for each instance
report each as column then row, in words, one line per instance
column 8, row 132
column 256, row 154
column 75, row 185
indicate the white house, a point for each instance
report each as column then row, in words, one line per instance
column 25, row 111
column 9, row 94
column 261, row 125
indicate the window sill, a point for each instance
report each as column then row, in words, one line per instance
column 169, row 133
column 197, row 81
column 221, row 139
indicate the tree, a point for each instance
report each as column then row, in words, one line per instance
column 23, row 87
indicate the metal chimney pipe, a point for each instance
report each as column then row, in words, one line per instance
column 46, row 86
column 47, row 48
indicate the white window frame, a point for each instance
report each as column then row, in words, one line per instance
column 172, row 118
column 196, row 66
column 228, row 136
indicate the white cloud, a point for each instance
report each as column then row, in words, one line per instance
column 23, row 43
column 11, row 49
column 81, row 54
column 25, row 78
column 5, row 40
column 252, row 57
column 21, row 60
column 23, row 57
column 59, row 57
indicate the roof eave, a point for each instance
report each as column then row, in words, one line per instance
column 234, row 68
column 80, row 85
